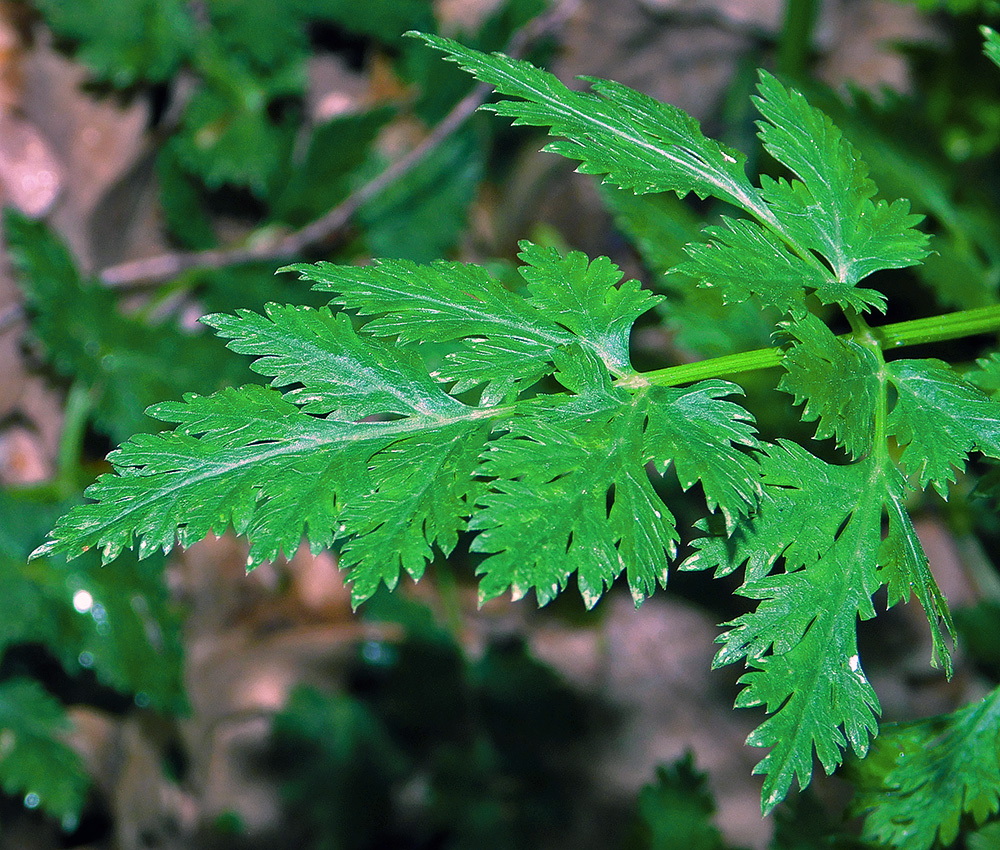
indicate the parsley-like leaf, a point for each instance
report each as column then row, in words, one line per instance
column 939, row 419
column 304, row 459
column 921, row 778
column 647, row 146
column 836, row 379
column 829, row 209
column 640, row 143
column 801, row 642
column 745, row 259
column 34, row 759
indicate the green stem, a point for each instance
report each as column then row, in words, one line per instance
column 75, row 414
column 938, row 328
column 899, row 334
column 451, row 601
column 730, row 364
column 795, row 41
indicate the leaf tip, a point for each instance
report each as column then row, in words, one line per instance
column 43, row 551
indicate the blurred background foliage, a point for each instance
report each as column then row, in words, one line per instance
column 428, row 733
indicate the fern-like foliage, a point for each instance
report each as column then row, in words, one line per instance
column 34, row 762
column 922, row 778
column 537, row 436
column 310, row 462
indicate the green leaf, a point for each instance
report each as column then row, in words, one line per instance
column 506, row 344
column 836, row 380
column 34, row 760
column 676, row 811
column 923, row 777
column 992, row 45
column 744, row 259
column 124, row 42
column 578, row 462
column 646, row 146
column 905, row 570
column 639, row 143
column 309, row 463
column 127, row 363
column 825, row 523
column 583, row 297
column 228, row 137
column 508, row 340
column 341, row 373
column 268, row 34
column 829, row 209
column 324, row 177
column 801, row 643
column 588, row 456
column 425, row 485
column 938, row 419
column 422, row 216
column 698, row 432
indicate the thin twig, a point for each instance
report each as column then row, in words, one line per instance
column 10, row 316
column 154, row 270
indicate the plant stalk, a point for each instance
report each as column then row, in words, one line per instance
column 888, row 337
column 795, row 41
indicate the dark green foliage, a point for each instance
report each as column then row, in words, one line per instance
column 551, row 475
column 430, row 406
column 126, row 362
column 336, row 151
column 125, row 42
column 676, row 811
column 422, row 218
column 34, row 760
column 115, row 624
column 430, row 747
column 923, row 777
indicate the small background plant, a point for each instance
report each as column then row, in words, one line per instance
column 253, row 167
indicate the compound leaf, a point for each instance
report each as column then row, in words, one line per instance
column 745, row 259
column 507, row 340
column 921, row 778
column 309, row 462
column 34, row 760
column 837, row 382
column 829, row 209
column 548, row 460
column 800, row 644
column 939, row 418
column 638, row 142
column 647, row 146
